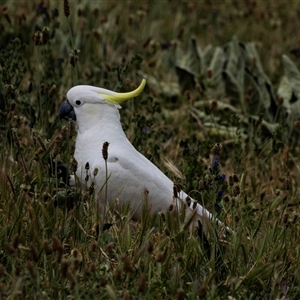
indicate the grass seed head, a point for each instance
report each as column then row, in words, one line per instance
column 235, row 178
column 150, row 247
column 167, row 232
column 2, row 270
column 18, row 270
column 16, row 138
column 213, row 105
column 201, row 185
column 71, row 129
column 94, row 246
column 41, row 142
column 236, row 190
column 66, row 8
column 286, row 218
column 159, row 256
column 202, row 292
column 64, row 268
column 188, row 201
column 30, row 269
column 110, row 248
column 105, row 150
column 37, row 38
column 287, row 184
column 142, row 283
column 12, row 106
column 45, row 35
column 216, row 149
column 7, row 17
column 43, row 88
column 117, row 275
column 46, row 248
column 74, row 165
column 226, row 198
column 127, row 264
column 57, row 142
column 209, row 73
column 175, row 194
column 15, row 241
column 9, row 248
column 52, row 91
column 57, row 245
column 71, row 279
column 180, row 294
column 95, row 172
column 30, row 87
column 92, row 267
column 102, row 281
column 34, row 253
column 91, row 189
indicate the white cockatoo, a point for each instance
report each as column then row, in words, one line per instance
column 131, row 177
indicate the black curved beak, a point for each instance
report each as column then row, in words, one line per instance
column 66, row 111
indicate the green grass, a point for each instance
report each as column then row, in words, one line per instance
column 52, row 245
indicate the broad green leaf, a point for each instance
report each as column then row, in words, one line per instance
column 194, row 60
column 292, row 75
column 234, row 70
column 214, row 74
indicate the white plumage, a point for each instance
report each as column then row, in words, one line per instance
column 132, row 177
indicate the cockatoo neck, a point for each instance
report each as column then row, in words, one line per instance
column 99, row 119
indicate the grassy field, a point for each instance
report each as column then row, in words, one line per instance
column 219, row 116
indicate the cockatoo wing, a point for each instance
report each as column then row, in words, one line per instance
column 132, row 178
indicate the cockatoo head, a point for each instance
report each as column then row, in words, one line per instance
column 86, row 100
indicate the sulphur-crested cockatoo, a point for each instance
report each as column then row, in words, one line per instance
column 131, row 177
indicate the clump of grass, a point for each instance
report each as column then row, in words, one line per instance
column 52, row 243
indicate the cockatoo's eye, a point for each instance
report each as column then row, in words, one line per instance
column 78, row 102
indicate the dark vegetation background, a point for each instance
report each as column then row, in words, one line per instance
column 219, row 116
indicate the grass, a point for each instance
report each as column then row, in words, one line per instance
column 52, row 244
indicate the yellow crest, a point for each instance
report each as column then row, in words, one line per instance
column 118, row 98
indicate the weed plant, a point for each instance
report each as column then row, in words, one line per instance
column 52, row 244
